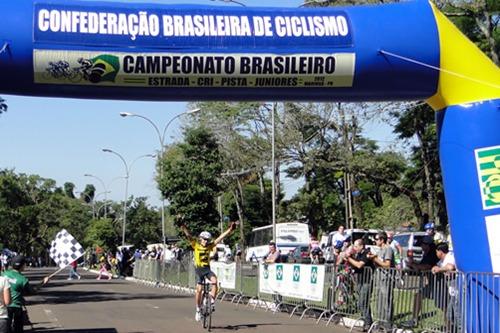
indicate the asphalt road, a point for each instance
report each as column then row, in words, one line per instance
column 101, row 306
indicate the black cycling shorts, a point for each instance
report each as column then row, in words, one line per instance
column 203, row 273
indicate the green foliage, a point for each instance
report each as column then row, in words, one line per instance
column 257, row 210
column 143, row 224
column 69, row 189
column 101, row 233
column 191, row 173
column 395, row 214
column 88, row 193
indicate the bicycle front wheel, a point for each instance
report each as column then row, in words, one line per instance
column 207, row 311
column 209, row 314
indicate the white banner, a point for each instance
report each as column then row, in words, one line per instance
column 226, row 274
column 292, row 280
column 207, row 70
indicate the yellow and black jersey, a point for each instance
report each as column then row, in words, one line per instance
column 201, row 253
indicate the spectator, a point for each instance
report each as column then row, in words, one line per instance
column 430, row 230
column 119, row 260
column 238, row 252
column 4, row 302
column 127, row 260
column 137, row 254
column 104, row 268
column 337, row 253
column 178, row 252
column 228, row 254
column 19, row 287
column 273, row 256
column 93, row 260
column 363, row 269
column 314, row 251
column 397, row 249
column 446, row 265
column 159, row 253
column 316, row 256
column 384, row 261
column 72, row 270
column 314, row 244
column 152, row 254
column 168, row 255
column 340, row 236
column 429, row 260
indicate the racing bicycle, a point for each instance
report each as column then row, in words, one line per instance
column 206, row 305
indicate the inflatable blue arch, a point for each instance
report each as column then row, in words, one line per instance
column 401, row 51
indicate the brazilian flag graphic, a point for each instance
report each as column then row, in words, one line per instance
column 105, row 67
column 488, row 161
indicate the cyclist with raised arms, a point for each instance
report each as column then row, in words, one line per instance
column 202, row 248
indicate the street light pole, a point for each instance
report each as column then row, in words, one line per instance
column 273, row 157
column 161, row 138
column 127, row 176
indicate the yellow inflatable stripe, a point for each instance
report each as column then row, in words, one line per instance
column 467, row 75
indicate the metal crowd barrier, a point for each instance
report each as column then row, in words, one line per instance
column 387, row 299
column 482, row 303
column 350, row 295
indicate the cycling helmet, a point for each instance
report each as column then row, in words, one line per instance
column 206, row 235
column 429, row 225
column 338, row 245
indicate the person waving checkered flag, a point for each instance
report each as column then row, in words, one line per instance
column 65, row 249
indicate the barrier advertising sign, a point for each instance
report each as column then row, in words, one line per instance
column 292, row 280
column 226, row 273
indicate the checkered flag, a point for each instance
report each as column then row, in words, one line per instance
column 65, row 249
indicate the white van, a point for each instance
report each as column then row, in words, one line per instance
column 288, row 237
column 352, row 234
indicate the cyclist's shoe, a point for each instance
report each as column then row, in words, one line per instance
column 197, row 315
column 212, row 302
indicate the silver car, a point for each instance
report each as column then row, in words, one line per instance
column 411, row 243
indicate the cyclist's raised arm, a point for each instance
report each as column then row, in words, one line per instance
column 186, row 232
column 232, row 226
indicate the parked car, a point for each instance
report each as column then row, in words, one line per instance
column 300, row 255
column 411, row 243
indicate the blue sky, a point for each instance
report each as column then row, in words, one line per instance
column 62, row 138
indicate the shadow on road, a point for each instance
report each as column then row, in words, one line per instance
column 243, row 326
column 83, row 330
column 93, row 296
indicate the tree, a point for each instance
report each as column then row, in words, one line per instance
column 143, row 224
column 424, row 176
column 69, row 189
column 243, row 132
column 479, row 20
column 101, row 233
column 191, row 173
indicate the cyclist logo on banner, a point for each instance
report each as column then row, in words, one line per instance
column 94, row 70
